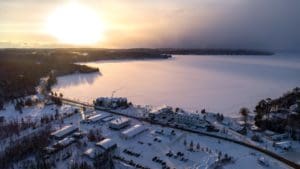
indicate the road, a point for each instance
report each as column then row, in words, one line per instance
column 251, row 146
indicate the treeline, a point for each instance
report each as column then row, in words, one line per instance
column 22, row 69
column 282, row 105
column 14, row 127
column 24, row 147
column 205, row 51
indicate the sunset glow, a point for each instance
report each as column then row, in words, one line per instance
column 75, row 24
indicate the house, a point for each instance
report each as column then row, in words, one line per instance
column 107, row 144
column 119, row 123
column 63, row 132
column 133, row 131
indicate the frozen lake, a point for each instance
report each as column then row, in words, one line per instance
column 217, row 83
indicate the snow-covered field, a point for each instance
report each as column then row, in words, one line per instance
column 33, row 112
column 218, row 83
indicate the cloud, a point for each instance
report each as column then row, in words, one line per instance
column 258, row 24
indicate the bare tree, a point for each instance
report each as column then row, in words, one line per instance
column 245, row 113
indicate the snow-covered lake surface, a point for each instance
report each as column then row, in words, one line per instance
column 217, row 83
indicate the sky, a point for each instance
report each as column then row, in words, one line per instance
column 254, row 24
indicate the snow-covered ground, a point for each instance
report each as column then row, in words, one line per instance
column 33, row 112
column 148, row 148
column 148, row 144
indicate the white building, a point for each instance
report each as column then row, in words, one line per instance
column 97, row 117
column 133, row 131
column 161, row 112
column 63, row 132
column 190, row 119
column 111, row 102
column 119, row 123
column 107, row 144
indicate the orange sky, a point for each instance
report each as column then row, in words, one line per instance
column 156, row 23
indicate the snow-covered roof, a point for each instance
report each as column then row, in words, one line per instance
column 66, row 141
column 106, row 119
column 63, row 131
column 112, row 99
column 91, row 152
column 106, row 143
column 119, row 121
column 161, row 108
column 284, row 144
column 98, row 117
column 134, row 130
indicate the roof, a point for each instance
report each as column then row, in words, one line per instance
column 91, row 152
column 98, row 117
column 284, row 144
column 134, row 130
column 112, row 99
column 161, row 108
column 119, row 121
column 66, row 141
column 63, row 131
column 106, row 143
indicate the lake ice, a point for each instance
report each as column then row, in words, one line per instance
column 217, row 83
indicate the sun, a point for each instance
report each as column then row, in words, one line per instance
column 75, row 24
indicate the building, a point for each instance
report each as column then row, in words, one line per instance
column 65, row 142
column 179, row 117
column 119, row 123
column 63, row 132
column 285, row 145
column 107, row 144
column 106, row 119
column 190, row 120
column 133, row 131
column 161, row 112
column 97, row 117
column 111, row 102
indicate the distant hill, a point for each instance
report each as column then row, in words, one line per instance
column 195, row 51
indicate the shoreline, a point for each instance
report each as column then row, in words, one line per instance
column 221, row 130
